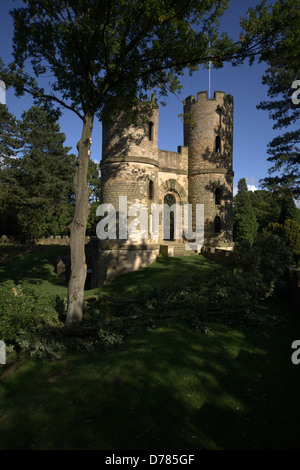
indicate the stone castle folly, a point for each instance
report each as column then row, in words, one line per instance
column 199, row 173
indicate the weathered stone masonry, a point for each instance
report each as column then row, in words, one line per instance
column 199, row 173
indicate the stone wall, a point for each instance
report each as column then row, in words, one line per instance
column 175, row 162
column 121, row 139
column 117, row 260
column 56, row 240
column 221, row 254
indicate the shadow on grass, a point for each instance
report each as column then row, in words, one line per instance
column 164, row 272
column 164, row 389
column 37, row 267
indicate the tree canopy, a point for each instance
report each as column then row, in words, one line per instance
column 38, row 180
column 245, row 224
column 95, row 51
column 280, row 21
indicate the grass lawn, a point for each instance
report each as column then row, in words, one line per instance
column 37, row 267
column 168, row 388
column 163, row 273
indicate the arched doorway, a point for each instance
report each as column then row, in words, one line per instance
column 169, row 199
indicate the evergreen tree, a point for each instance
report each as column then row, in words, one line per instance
column 288, row 209
column 267, row 207
column 245, row 224
column 282, row 20
column 289, row 231
column 9, row 144
column 8, row 134
column 270, row 206
column 40, row 181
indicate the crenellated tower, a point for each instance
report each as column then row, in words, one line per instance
column 208, row 134
column 200, row 172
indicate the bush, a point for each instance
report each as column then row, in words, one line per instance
column 264, row 263
column 259, row 271
column 25, row 315
column 290, row 234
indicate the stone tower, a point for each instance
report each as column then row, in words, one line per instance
column 208, row 134
column 200, row 172
column 129, row 168
column 129, row 165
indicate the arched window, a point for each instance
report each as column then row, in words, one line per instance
column 151, row 131
column 218, row 196
column 169, row 223
column 218, row 144
column 151, row 190
column 217, row 224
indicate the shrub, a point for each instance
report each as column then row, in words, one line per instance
column 264, row 264
column 25, row 315
column 290, row 234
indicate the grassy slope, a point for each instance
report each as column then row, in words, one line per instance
column 164, row 389
column 37, row 267
column 164, row 272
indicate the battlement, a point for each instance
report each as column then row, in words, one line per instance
column 202, row 96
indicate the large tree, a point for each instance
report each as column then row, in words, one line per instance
column 270, row 206
column 39, row 180
column 9, row 144
column 103, row 55
column 282, row 20
column 8, row 134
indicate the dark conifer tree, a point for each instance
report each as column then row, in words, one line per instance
column 40, row 180
column 245, row 223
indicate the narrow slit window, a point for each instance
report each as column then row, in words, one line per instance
column 218, row 144
column 217, row 224
column 217, row 196
column 151, row 190
column 151, row 131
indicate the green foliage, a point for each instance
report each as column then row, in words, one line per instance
column 39, row 182
column 277, row 28
column 94, row 181
column 264, row 263
column 224, row 294
column 32, row 322
column 290, row 233
column 27, row 318
column 245, row 224
column 288, row 209
column 97, row 50
column 267, row 207
column 8, row 147
column 8, row 133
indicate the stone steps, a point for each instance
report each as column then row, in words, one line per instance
column 177, row 250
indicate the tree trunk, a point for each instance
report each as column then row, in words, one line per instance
column 78, row 225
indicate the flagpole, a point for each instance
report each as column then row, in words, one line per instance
column 209, row 73
column 209, row 79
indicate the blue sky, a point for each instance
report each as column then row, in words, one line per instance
column 252, row 127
